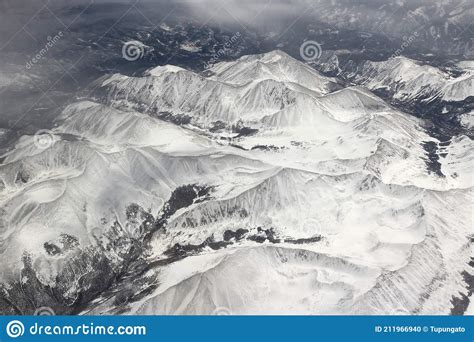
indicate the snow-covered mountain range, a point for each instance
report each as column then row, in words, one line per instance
column 260, row 187
column 411, row 80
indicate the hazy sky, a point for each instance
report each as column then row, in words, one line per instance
column 389, row 17
column 244, row 10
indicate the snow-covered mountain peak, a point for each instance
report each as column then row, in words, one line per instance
column 410, row 68
column 408, row 79
column 159, row 70
column 275, row 65
column 274, row 56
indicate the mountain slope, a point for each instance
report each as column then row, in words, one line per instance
column 158, row 194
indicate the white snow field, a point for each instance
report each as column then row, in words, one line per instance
column 362, row 225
